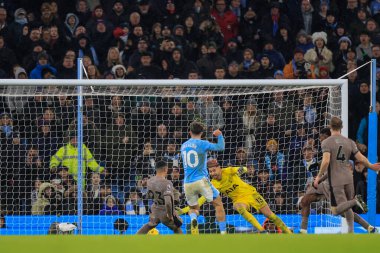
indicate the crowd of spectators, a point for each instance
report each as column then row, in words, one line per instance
column 276, row 135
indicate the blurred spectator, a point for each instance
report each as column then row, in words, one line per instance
column 48, row 201
column 110, row 206
column 275, row 161
column 68, row 156
column 135, row 205
column 211, row 114
column 120, row 146
column 207, row 64
column 299, row 68
column 226, row 19
column 42, row 64
column 249, row 67
column 95, row 192
column 320, row 55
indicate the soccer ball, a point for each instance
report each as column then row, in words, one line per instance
column 153, row 231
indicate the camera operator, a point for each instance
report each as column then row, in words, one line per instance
column 298, row 68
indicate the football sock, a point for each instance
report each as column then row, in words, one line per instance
column 279, row 223
column 305, row 221
column 250, row 218
column 222, row 226
column 361, row 221
column 350, row 220
column 193, row 216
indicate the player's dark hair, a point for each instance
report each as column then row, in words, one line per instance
column 325, row 131
column 161, row 164
column 196, row 127
column 336, row 124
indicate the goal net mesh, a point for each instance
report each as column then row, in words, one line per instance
column 272, row 130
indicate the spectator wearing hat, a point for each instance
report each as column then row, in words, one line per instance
column 233, row 52
column 101, row 36
column 226, row 20
column 84, row 47
column 275, row 57
column 42, row 63
column 142, row 47
column 330, row 23
column 274, row 161
column 233, row 71
column 320, row 55
column 71, row 23
column 303, row 42
column 178, row 35
column 207, row 64
column 249, row 28
column 118, row 14
column 15, row 28
column 178, row 65
column 299, row 68
column 119, row 71
column 147, row 69
column 278, row 74
column 249, row 66
column 266, row 69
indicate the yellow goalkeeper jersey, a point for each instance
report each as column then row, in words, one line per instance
column 232, row 185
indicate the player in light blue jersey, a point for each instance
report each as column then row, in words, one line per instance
column 197, row 182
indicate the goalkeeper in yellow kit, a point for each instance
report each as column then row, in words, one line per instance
column 243, row 195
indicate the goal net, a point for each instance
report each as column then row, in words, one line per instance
column 271, row 127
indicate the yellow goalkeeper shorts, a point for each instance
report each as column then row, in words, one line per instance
column 254, row 200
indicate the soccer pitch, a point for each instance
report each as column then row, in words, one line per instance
column 187, row 243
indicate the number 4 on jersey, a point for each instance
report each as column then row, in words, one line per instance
column 340, row 156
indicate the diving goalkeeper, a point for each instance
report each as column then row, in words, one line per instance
column 243, row 195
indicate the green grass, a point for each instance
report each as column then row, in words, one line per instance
column 260, row 243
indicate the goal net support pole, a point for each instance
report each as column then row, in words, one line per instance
column 372, row 148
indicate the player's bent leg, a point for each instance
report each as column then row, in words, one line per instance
column 145, row 229
column 305, row 211
column 220, row 214
column 241, row 208
column 275, row 219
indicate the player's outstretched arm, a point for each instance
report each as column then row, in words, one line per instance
column 219, row 146
column 361, row 158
